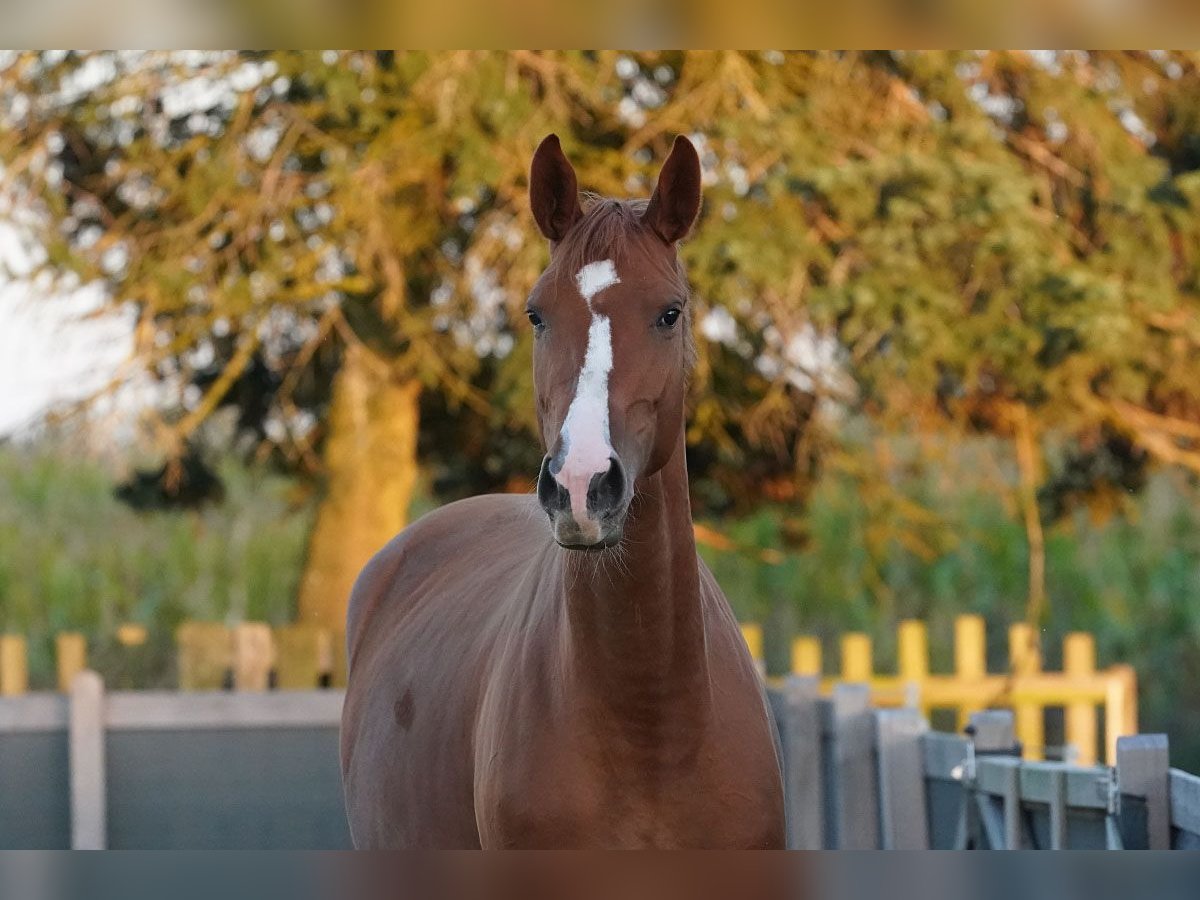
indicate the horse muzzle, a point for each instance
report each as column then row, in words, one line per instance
column 586, row 509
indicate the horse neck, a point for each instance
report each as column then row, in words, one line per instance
column 633, row 613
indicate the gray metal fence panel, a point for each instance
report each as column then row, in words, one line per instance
column 1143, row 770
column 946, row 758
column 903, row 816
column 244, row 788
column 1185, row 810
column 249, row 771
column 794, row 704
column 852, row 786
column 1042, row 806
column 35, row 809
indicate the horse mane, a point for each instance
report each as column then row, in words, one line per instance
column 602, row 233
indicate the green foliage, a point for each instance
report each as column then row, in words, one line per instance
column 72, row 557
column 1132, row 579
column 980, row 236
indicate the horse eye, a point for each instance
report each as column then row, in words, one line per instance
column 535, row 320
column 669, row 318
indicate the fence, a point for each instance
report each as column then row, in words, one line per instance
column 170, row 770
column 253, row 656
column 207, row 767
column 863, row 778
column 249, row 656
column 1080, row 689
column 258, row 770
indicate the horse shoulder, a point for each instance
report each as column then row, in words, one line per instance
column 458, row 534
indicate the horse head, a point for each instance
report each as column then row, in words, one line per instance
column 612, row 341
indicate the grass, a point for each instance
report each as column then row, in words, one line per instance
column 72, row 557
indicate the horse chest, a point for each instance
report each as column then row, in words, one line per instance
column 561, row 791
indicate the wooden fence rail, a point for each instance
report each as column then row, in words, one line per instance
column 857, row 777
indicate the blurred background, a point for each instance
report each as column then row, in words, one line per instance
column 257, row 311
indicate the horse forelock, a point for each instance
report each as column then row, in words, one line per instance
column 604, row 232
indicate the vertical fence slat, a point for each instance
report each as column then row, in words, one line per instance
column 1058, row 810
column 855, row 803
column 302, row 657
column 796, row 715
column 1120, row 708
column 806, row 656
column 85, row 751
column 253, row 656
column 14, row 666
column 1012, row 803
column 70, row 652
column 912, row 657
column 205, row 655
column 903, row 819
column 857, row 657
column 970, row 658
column 1025, row 658
column 912, row 641
column 752, row 634
column 1079, row 658
column 1143, row 774
column 339, row 659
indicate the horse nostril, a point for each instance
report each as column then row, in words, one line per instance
column 550, row 493
column 607, row 489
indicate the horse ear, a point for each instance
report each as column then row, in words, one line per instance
column 553, row 190
column 675, row 202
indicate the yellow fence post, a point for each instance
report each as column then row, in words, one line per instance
column 132, row 634
column 1079, row 659
column 338, row 649
column 253, row 656
column 912, row 652
column 70, row 651
column 1130, row 720
column 1120, row 709
column 806, row 656
column 1027, row 688
column 857, row 663
column 302, row 657
column 14, row 666
column 205, row 655
column 970, row 661
column 1025, row 658
column 752, row 634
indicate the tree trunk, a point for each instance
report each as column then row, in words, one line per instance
column 370, row 472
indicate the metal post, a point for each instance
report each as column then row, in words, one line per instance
column 1143, row 773
column 85, row 749
column 903, row 821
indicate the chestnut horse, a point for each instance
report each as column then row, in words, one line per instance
column 563, row 670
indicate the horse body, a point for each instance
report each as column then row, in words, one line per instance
column 490, row 727
column 583, row 684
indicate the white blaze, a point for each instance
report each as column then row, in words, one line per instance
column 595, row 277
column 585, row 431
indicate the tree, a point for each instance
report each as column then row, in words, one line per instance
column 999, row 243
column 943, row 244
column 294, row 231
